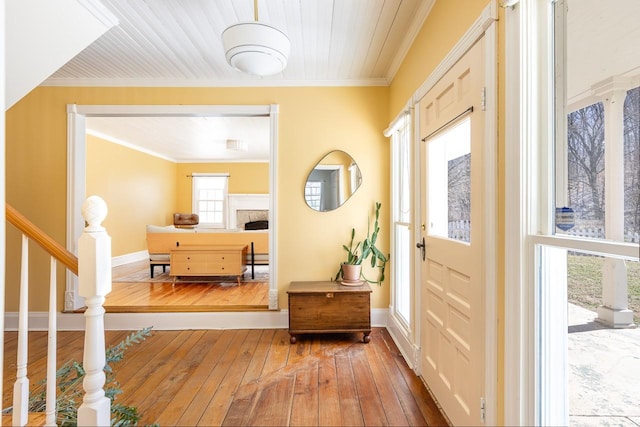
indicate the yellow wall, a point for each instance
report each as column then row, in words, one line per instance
column 446, row 24
column 312, row 122
column 141, row 189
column 138, row 188
column 244, row 178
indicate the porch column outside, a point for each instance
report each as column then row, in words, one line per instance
column 614, row 310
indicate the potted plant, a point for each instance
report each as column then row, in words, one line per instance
column 351, row 270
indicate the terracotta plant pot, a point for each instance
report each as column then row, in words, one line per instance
column 351, row 273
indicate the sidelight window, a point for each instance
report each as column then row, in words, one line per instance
column 402, row 250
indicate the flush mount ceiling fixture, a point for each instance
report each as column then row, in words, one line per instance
column 236, row 145
column 256, row 48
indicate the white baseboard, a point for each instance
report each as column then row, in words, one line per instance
column 274, row 319
column 379, row 317
column 410, row 351
column 129, row 258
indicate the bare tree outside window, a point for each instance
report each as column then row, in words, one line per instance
column 586, row 142
column 632, row 164
column 586, row 165
column 586, row 177
column 459, row 197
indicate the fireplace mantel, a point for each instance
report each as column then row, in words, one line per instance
column 245, row 202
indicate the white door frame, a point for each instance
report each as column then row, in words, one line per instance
column 76, row 173
column 485, row 25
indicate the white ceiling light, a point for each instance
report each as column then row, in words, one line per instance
column 236, row 145
column 256, row 48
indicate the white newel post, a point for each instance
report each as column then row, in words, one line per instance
column 614, row 310
column 94, row 274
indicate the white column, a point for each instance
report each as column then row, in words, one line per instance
column 614, row 310
column 94, row 273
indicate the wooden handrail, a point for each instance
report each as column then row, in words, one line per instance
column 32, row 231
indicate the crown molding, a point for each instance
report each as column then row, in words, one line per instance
column 71, row 82
column 410, row 37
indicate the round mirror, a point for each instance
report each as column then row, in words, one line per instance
column 332, row 181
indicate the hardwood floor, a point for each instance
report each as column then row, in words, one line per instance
column 145, row 295
column 254, row 377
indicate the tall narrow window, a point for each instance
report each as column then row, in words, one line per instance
column 580, row 279
column 401, row 217
column 210, row 199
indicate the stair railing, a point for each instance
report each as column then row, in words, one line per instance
column 93, row 268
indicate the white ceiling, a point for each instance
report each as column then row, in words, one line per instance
column 178, row 43
column 188, row 139
column 602, row 43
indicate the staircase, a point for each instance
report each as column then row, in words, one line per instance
column 93, row 268
column 38, row 38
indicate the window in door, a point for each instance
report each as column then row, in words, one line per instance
column 450, row 182
column 210, row 199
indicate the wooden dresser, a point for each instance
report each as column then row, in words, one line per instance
column 325, row 307
column 209, row 260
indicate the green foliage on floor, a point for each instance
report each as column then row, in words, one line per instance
column 69, row 390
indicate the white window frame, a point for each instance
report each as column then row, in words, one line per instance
column 535, row 351
column 404, row 330
column 313, row 194
column 195, row 199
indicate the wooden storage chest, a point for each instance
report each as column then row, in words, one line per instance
column 324, row 307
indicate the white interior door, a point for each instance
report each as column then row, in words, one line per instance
column 452, row 289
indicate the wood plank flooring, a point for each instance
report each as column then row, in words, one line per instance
column 254, row 377
column 153, row 297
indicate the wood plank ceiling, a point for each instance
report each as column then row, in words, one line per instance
column 178, row 42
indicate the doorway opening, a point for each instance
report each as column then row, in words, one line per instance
column 77, row 174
